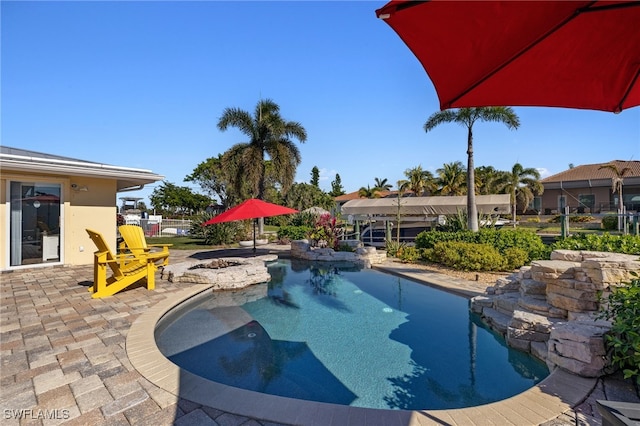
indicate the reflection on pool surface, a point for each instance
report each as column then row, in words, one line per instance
column 338, row 334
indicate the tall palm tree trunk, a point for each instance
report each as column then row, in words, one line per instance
column 472, row 209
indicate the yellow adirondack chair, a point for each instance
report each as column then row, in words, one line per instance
column 136, row 243
column 127, row 269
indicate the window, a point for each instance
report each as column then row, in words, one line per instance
column 586, row 202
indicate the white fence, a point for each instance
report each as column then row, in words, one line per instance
column 159, row 227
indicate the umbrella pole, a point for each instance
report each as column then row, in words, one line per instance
column 254, row 235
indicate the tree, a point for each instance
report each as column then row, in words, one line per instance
column 211, row 177
column 315, row 177
column 382, row 184
column 172, row 199
column 418, row 181
column 451, row 178
column 369, row 192
column 487, row 179
column 336, row 187
column 467, row 117
column 269, row 135
column 301, row 196
column 522, row 185
column 616, row 186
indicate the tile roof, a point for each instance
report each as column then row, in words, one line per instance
column 593, row 171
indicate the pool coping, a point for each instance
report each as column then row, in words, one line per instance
column 556, row 394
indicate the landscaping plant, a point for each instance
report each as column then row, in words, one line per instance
column 623, row 306
column 627, row 244
column 326, row 232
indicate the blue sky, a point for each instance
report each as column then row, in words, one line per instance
column 143, row 84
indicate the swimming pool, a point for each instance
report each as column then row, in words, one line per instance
column 334, row 333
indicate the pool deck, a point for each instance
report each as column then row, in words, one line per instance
column 69, row 359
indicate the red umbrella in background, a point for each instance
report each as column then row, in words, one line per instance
column 572, row 54
column 251, row 209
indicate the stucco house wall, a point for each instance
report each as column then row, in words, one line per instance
column 88, row 199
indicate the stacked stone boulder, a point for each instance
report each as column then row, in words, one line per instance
column 550, row 308
column 362, row 256
column 243, row 273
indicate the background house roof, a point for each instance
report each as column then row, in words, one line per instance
column 21, row 160
column 593, row 172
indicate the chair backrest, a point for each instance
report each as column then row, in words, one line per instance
column 133, row 236
column 100, row 243
column 102, row 246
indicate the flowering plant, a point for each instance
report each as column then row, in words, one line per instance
column 325, row 232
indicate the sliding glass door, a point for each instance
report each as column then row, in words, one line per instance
column 34, row 223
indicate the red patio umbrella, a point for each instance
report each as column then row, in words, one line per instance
column 251, row 209
column 572, row 54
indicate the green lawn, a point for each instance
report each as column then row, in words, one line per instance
column 184, row 243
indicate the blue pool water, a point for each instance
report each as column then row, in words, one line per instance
column 338, row 334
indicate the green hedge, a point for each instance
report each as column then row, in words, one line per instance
column 500, row 239
column 468, row 256
column 627, row 244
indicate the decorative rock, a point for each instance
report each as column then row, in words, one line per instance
column 478, row 303
column 506, row 303
column 528, row 287
column 572, row 282
column 578, row 347
column 524, row 273
column 534, row 304
column 508, row 284
column 527, row 321
column 539, row 350
column 496, row 320
column 239, row 273
column 363, row 256
column 571, row 304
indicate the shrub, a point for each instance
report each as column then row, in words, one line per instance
column 524, row 239
column 500, row 239
column 514, row 258
column 610, row 222
column 572, row 219
column 408, row 254
column 623, row 340
column 627, row 244
column 394, row 247
column 293, row 232
column 216, row 234
column 468, row 256
column 533, row 219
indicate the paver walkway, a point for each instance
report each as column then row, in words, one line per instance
column 63, row 358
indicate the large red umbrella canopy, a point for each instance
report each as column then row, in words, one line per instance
column 251, row 209
column 573, row 54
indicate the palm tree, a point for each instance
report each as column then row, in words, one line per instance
column 369, row 192
column 268, row 134
column 418, row 181
column 382, row 184
column 467, row 117
column 522, row 185
column 616, row 186
column 486, row 180
column 451, row 178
